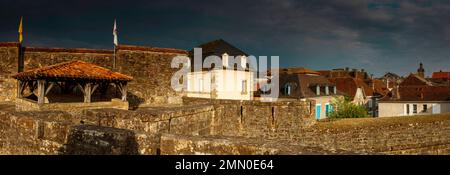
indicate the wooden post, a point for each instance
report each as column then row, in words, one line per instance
column 87, row 92
column 124, row 91
column 20, row 87
column 41, row 91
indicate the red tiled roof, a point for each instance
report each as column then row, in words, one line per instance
column 349, row 86
column 73, row 70
column 441, row 75
column 152, row 49
column 424, row 93
column 380, row 87
column 299, row 70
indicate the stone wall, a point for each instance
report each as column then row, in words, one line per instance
column 254, row 119
column 203, row 129
column 151, row 69
column 33, row 132
column 75, row 108
column 8, row 66
column 206, row 145
column 98, row 131
column 396, row 135
column 149, row 66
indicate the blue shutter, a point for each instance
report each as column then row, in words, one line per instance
column 318, row 106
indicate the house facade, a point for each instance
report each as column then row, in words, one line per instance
column 233, row 80
column 416, row 96
column 358, row 86
column 303, row 83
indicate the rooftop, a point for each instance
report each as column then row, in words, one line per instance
column 73, row 70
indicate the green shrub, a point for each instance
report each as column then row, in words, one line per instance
column 344, row 108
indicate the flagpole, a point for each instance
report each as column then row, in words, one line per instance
column 114, row 63
column 115, row 42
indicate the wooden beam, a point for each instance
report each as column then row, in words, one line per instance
column 41, row 91
column 124, row 91
column 94, row 88
column 50, row 86
column 81, row 87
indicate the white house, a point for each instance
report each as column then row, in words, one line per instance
column 226, row 82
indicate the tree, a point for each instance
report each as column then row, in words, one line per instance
column 344, row 108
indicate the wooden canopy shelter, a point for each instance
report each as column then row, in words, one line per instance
column 86, row 76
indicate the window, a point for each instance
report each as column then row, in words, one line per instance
column 225, row 60
column 425, row 108
column 414, row 108
column 244, row 61
column 317, row 90
column 287, row 89
column 244, row 86
column 327, row 109
column 407, row 108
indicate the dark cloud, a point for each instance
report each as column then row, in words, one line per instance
column 377, row 35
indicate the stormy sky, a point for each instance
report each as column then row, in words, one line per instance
column 378, row 36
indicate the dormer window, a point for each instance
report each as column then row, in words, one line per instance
column 225, row 60
column 334, row 90
column 243, row 61
column 327, row 90
column 317, row 90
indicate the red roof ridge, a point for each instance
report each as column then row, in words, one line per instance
column 9, row 44
column 71, row 50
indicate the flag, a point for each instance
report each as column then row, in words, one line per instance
column 116, row 42
column 20, row 31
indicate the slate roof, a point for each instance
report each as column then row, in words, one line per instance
column 73, row 70
column 218, row 48
column 304, row 85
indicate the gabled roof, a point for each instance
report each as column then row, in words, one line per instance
column 73, row 70
column 390, row 75
column 415, row 88
column 415, row 80
column 218, row 48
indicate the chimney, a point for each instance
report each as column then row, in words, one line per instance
column 397, row 92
